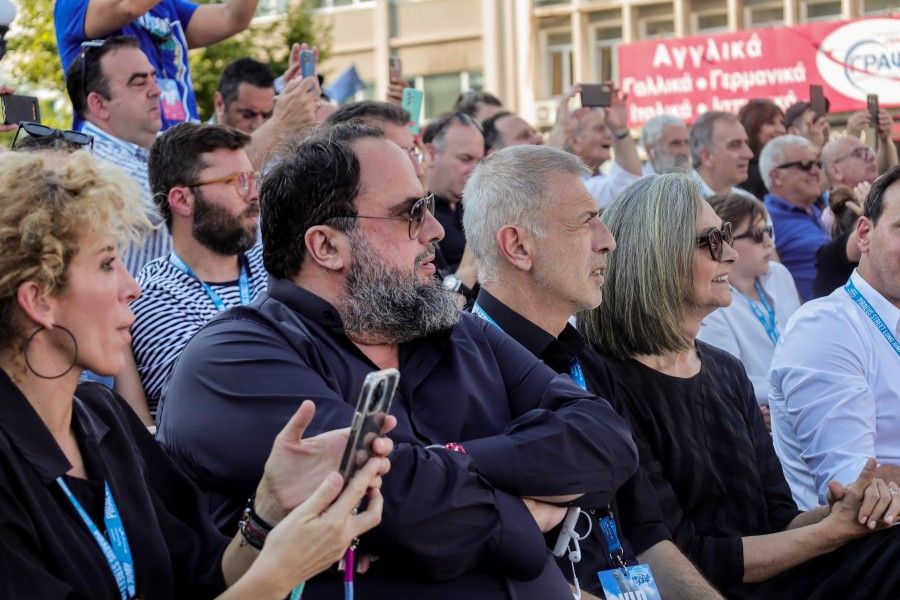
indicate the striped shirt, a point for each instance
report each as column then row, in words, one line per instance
column 172, row 307
column 132, row 159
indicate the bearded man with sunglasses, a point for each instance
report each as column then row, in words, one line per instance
column 205, row 188
column 488, row 436
column 790, row 168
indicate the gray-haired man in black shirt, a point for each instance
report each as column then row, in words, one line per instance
column 542, row 249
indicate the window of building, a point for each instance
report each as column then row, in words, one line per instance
column 559, row 62
column 607, row 40
column 709, row 21
column 442, row 89
column 878, row 7
column 655, row 20
column 338, row 3
column 267, row 8
column 820, row 10
column 539, row 3
column 764, row 14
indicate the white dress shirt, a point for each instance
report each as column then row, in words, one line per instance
column 835, row 392
column 604, row 187
column 736, row 329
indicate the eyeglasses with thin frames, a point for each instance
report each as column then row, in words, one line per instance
column 242, row 182
column 716, row 239
column 756, row 234
column 36, row 130
column 416, row 216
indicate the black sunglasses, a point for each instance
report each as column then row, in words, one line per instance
column 416, row 215
column 716, row 240
column 756, row 234
column 36, row 130
column 803, row 165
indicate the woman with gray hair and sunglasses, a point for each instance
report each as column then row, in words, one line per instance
column 763, row 295
column 700, row 436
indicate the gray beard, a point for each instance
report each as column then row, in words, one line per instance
column 384, row 305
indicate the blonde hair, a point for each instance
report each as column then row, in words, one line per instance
column 649, row 277
column 47, row 204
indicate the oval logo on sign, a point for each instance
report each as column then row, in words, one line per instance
column 863, row 58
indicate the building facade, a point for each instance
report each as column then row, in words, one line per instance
column 529, row 52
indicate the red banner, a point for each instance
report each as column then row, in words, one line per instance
column 689, row 76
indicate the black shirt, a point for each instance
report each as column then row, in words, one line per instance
column 703, row 443
column 635, row 507
column 48, row 552
column 453, row 523
column 454, row 242
column 833, row 268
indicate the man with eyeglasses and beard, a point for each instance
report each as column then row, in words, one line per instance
column 205, row 188
column 790, row 168
column 491, row 443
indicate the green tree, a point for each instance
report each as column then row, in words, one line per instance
column 267, row 42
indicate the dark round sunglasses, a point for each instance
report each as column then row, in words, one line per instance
column 757, row 234
column 716, row 239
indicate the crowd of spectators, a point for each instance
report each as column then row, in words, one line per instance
column 687, row 361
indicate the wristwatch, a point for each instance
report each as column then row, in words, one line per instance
column 455, row 284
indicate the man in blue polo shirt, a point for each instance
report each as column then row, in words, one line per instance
column 165, row 29
column 790, row 169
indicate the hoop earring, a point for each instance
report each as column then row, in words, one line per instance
column 28, row 342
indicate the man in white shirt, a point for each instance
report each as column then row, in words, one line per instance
column 835, row 377
column 667, row 142
column 593, row 133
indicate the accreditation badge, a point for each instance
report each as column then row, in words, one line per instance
column 629, row 583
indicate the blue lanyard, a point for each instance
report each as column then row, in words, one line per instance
column 116, row 550
column 766, row 320
column 611, row 535
column 575, row 370
column 861, row 301
column 243, row 282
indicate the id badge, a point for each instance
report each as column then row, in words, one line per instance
column 629, row 583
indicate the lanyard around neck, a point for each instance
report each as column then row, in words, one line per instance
column 873, row 315
column 115, row 550
column 767, row 320
column 243, row 282
column 575, row 370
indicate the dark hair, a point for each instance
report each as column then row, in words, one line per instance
column 844, row 217
column 176, row 157
column 489, row 127
column 370, row 112
column 874, row 206
column 754, row 115
column 437, row 128
column 737, row 208
column 243, row 70
column 467, row 102
column 84, row 75
column 319, row 177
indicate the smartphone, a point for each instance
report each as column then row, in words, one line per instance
column 567, row 531
column 372, row 409
column 872, row 102
column 596, row 94
column 19, row 108
column 412, row 103
column 817, row 100
column 307, row 63
column 395, row 67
